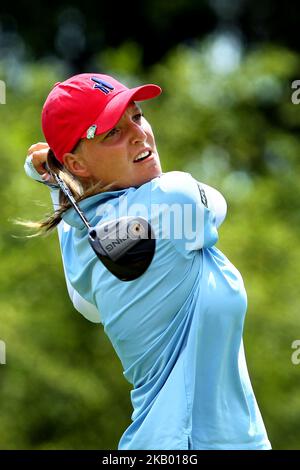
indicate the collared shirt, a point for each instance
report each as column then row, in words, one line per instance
column 177, row 329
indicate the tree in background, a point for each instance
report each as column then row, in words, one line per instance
column 74, row 31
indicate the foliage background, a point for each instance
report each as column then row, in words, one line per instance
column 226, row 116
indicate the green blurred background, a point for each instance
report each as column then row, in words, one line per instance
column 227, row 117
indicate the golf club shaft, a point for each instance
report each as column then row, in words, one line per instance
column 69, row 195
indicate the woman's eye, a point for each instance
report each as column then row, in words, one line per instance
column 138, row 116
column 111, row 133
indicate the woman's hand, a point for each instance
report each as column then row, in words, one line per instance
column 38, row 154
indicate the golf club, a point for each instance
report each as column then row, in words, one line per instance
column 125, row 245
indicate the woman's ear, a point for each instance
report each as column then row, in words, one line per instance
column 76, row 165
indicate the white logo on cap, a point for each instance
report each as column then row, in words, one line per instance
column 90, row 134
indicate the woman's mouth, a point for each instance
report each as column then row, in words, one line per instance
column 143, row 156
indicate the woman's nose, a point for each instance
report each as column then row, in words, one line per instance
column 138, row 134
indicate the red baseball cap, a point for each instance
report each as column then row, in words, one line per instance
column 86, row 105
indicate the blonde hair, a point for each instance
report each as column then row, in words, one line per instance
column 79, row 191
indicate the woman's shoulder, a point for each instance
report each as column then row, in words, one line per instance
column 177, row 185
column 172, row 178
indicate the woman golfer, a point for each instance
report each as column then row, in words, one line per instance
column 139, row 255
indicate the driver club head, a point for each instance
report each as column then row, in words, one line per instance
column 125, row 246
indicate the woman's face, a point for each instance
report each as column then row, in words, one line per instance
column 113, row 156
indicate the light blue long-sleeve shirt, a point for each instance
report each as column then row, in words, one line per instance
column 177, row 329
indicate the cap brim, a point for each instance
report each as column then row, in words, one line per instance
column 118, row 104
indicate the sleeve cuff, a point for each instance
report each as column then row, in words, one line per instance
column 33, row 174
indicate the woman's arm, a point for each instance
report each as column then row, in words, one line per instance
column 190, row 210
column 34, row 169
column 215, row 202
